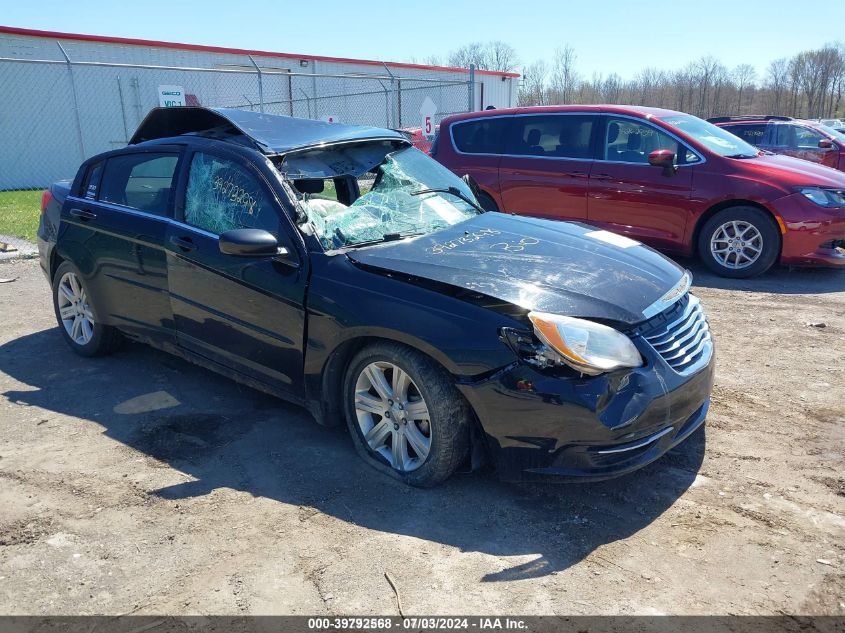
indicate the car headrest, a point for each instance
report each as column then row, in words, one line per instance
column 533, row 137
column 634, row 141
column 309, row 185
column 612, row 132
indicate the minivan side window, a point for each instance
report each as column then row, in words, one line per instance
column 783, row 135
column 554, row 135
column 750, row 133
column 628, row 141
column 481, row 136
column 223, row 195
column 140, row 181
column 805, row 138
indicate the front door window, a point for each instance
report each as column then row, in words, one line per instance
column 223, row 195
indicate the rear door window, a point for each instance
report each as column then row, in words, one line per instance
column 223, row 194
column 92, row 181
column 553, row 135
column 140, row 181
column 751, row 133
column 482, row 136
column 783, row 135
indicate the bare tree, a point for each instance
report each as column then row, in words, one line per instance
column 744, row 76
column 564, row 77
column 472, row 53
column 533, row 89
column 433, row 60
column 500, row 56
column 812, row 83
column 777, row 82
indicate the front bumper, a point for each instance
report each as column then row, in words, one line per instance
column 588, row 428
column 814, row 235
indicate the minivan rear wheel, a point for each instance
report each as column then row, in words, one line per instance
column 739, row 242
column 405, row 414
column 77, row 316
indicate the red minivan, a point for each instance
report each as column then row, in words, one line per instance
column 666, row 178
column 810, row 140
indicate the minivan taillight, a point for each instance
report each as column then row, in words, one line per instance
column 45, row 200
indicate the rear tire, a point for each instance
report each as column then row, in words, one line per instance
column 77, row 316
column 739, row 242
column 406, row 417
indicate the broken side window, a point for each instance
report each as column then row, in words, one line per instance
column 223, row 195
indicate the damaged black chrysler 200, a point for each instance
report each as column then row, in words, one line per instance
column 341, row 268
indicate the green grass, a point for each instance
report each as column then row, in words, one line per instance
column 19, row 213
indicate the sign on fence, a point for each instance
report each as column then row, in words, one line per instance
column 428, row 109
column 171, row 96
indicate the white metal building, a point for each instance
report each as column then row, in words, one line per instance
column 65, row 96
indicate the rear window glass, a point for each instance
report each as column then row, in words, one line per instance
column 140, row 181
column 561, row 135
column 483, row 136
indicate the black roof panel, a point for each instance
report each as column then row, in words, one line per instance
column 270, row 133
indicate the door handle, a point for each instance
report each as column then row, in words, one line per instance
column 575, row 174
column 183, row 243
column 83, row 214
column 601, row 176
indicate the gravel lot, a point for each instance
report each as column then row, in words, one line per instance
column 140, row 483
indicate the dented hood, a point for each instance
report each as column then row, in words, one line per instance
column 544, row 265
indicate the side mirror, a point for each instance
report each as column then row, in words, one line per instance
column 825, row 143
column 664, row 158
column 248, row 243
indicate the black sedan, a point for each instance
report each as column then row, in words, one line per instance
column 342, row 269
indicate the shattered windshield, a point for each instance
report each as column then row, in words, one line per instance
column 373, row 193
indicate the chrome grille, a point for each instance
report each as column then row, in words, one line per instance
column 684, row 342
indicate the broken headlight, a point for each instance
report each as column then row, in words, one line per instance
column 587, row 347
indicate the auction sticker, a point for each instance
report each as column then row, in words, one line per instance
column 612, row 238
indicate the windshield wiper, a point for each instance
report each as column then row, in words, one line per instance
column 454, row 191
column 387, row 237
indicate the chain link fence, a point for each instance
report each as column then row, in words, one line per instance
column 54, row 113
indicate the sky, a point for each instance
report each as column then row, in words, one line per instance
column 607, row 35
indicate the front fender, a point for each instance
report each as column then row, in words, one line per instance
column 347, row 303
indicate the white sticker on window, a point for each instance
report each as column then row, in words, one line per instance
column 612, row 238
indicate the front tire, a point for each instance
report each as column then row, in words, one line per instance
column 405, row 415
column 739, row 242
column 77, row 315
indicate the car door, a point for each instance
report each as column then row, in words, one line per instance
column 114, row 231
column 546, row 165
column 476, row 147
column 244, row 313
column 627, row 195
column 806, row 145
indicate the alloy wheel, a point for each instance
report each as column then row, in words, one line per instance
column 392, row 415
column 74, row 310
column 736, row 244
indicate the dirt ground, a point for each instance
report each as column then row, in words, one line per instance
column 140, row 483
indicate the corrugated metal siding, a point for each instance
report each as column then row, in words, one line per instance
column 38, row 126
